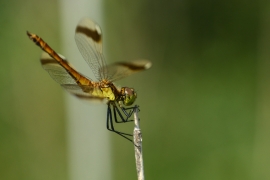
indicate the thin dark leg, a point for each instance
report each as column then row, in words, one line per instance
column 131, row 110
column 110, row 126
column 126, row 113
column 122, row 119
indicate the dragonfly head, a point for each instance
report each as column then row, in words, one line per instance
column 128, row 96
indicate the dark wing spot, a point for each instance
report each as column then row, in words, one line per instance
column 132, row 66
column 48, row 61
column 89, row 33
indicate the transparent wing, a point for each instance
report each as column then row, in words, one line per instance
column 89, row 41
column 120, row 70
column 61, row 76
column 57, row 72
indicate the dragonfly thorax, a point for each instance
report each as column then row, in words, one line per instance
column 108, row 90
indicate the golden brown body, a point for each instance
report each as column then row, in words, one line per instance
column 102, row 89
column 89, row 41
column 45, row 47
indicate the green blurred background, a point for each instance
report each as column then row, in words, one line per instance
column 204, row 103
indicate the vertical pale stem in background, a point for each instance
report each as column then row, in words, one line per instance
column 88, row 144
column 262, row 133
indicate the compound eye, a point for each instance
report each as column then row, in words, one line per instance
column 129, row 96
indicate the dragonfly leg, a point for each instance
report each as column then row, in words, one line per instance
column 126, row 111
column 130, row 109
column 123, row 119
column 110, row 125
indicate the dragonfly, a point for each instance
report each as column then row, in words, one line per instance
column 88, row 37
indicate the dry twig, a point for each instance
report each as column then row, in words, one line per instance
column 137, row 138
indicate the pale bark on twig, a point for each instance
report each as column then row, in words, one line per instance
column 137, row 138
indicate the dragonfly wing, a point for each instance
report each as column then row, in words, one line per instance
column 120, row 70
column 61, row 76
column 89, row 41
column 57, row 72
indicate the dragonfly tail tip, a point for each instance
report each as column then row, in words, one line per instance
column 28, row 33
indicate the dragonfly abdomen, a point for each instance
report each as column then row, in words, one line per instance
column 81, row 80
